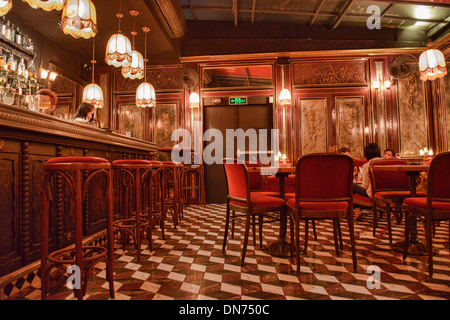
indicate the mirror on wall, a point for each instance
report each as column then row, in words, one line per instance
column 237, row 76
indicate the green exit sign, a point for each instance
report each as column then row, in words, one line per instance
column 238, row 100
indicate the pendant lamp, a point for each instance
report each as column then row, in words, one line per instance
column 118, row 49
column 92, row 93
column 145, row 93
column 136, row 69
column 5, row 6
column 79, row 19
column 48, row 5
column 432, row 64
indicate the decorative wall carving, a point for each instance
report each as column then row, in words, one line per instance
column 313, row 131
column 330, row 73
column 350, row 124
column 160, row 78
column 413, row 128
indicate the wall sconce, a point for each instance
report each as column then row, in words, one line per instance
column 194, row 100
column 44, row 74
column 52, row 76
column 383, row 85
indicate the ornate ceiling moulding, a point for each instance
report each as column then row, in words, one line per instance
column 304, row 54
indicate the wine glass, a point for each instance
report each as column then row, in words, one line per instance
column 8, row 95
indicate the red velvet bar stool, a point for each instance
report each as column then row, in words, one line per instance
column 131, row 178
column 78, row 173
column 172, row 190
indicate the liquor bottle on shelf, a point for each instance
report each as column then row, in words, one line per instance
column 32, row 71
column 3, row 28
column 18, row 38
column 8, row 30
column 13, row 33
column 21, row 68
column 11, row 63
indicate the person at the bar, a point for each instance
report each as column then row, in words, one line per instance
column 47, row 96
column 371, row 152
column 85, row 113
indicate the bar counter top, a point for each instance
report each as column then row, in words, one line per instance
column 36, row 126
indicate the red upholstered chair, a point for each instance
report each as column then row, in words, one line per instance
column 249, row 204
column 77, row 174
column 389, row 189
column 323, row 190
column 434, row 207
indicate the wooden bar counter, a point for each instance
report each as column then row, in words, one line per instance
column 27, row 140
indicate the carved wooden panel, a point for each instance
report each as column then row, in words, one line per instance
column 413, row 128
column 330, row 73
column 447, row 108
column 160, row 78
column 313, row 125
column 350, row 124
column 9, row 204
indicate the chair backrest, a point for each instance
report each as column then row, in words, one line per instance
column 255, row 179
column 388, row 180
column 237, row 179
column 439, row 177
column 324, row 176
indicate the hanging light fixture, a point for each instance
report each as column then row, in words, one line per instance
column 48, row 5
column 79, row 19
column 118, row 49
column 92, row 93
column 5, row 6
column 432, row 64
column 145, row 93
column 136, row 69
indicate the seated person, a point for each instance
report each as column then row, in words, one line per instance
column 85, row 113
column 389, row 154
column 346, row 151
column 371, row 152
column 47, row 95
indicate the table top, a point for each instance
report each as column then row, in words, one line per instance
column 272, row 170
column 405, row 167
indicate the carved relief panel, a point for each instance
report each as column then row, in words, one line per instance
column 413, row 128
column 313, row 129
column 350, row 124
column 330, row 73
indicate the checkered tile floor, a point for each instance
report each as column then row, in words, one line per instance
column 189, row 265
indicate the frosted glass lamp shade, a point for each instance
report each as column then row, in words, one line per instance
column 136, row 69
column 285, row 97
column 93, row 94
column 194, row 100
column 145, row 95
column 48, row 5
column 5, row 6
column 432, row 65
column 118, row 51
column 79, row 19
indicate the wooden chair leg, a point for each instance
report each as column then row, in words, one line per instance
column 388, row 217
column 306, row 235
column 335, row 233
column 246, row 234
column 428, row 236
column 375, row 219
column 351, row 230
column 297, row 241
column 227, row 222
column 313, row 222
column 407, row 225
